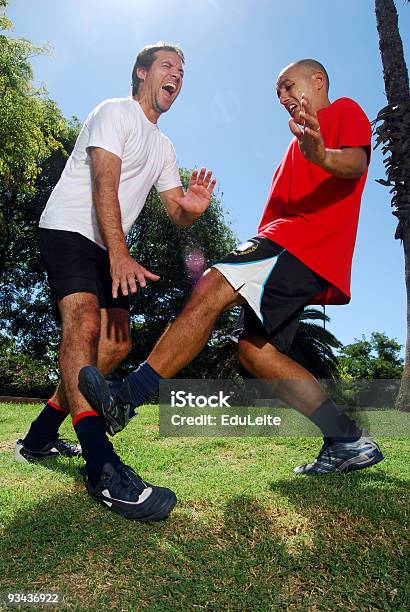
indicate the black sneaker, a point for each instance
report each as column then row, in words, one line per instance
column 59, row 447
column 343, row 457
column 104, row 396
column 124, row 492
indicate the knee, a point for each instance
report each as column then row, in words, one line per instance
column 252, row 349
column 212, row 292
column 81, row 320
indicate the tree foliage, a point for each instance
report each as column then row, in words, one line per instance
column 22, row 374
column 31, row 129
column 378, row 357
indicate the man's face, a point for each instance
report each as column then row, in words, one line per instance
column 294, row 81
column 163, row 81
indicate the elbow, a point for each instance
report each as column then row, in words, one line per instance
column 359, row 172
column 360, row 168
column 354, row 173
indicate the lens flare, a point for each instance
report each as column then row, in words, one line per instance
column 195, row 263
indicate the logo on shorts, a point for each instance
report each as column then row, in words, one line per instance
column 246, row 248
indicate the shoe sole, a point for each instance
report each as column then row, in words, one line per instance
column 90, row 380
column 160, row 514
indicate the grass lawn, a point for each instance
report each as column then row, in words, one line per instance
column 247, row 534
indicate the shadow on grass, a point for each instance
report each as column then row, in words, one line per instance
column 323, row 544
column 360, row 533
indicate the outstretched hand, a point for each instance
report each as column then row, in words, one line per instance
column 199, row 194
column 308, row 134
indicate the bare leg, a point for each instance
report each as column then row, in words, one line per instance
column 293, row 384
column 80, row 321
column 113, row 346
column 187, row 335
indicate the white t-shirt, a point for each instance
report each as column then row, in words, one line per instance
column 148, row 158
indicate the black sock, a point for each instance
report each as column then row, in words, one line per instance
column 142, row 383
column 45, row 427
column 96, row 447
column 334, row 424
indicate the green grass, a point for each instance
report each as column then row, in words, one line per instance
column 247, row 534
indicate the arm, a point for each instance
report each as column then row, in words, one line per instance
column 184, row 208
column 106, row 170
column 345, row 163
column 350, row 162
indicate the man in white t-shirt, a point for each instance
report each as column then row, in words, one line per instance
column 119, row 155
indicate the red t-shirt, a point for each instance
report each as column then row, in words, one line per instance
column 313, row 214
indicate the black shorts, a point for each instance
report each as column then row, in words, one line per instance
column 276, row 286
column 76, row 264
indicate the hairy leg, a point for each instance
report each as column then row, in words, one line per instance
column 114, row 344
column 292, row 383
column 187, row 335
column 80, row 331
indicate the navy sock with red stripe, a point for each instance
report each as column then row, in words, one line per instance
column 45, row 427
column 96, row 447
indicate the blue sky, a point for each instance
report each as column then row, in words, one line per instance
column 227, row 116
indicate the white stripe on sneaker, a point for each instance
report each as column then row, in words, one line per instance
column 144, row 495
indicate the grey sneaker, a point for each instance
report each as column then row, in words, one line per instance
column 111, row 399
column 343, row 457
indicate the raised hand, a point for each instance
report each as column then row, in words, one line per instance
column 308, row 134
column 199, row 194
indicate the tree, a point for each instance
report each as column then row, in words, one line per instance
column 370, row 372
column 393, row 132
column 35, row 141
column 25, row 302
column 31, row 128
column 22, row 374
column 377, row 358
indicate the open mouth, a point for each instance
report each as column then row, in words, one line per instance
column 169, row 88
column 292, row 108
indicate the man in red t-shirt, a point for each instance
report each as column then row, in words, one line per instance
column 301, row 255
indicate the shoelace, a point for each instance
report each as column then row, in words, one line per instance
column 324, row 451
column 66, row 442
column 129, row 480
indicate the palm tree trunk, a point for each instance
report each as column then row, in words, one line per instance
column 403, row 398
column 396, row 78
column 394, row 134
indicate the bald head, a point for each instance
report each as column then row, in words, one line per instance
column 313, row 66
column 310, row 66
column 308, row 78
